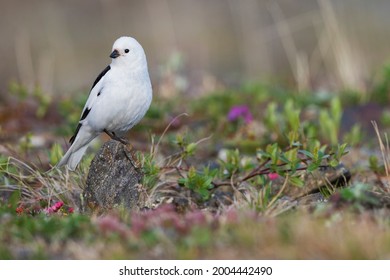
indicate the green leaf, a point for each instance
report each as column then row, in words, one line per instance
column 56, row 154
column 341, row 150
column 336, row 111
column 296, row 181
column 13, row 201
column 333, row 162
column 292, row 155
column 373, row 162
column 179, row 139
column 347, row 194
column 262, row 155
column 190, row 149
column 271, row 116
column 306, row 153
column 182, row 181
column 312, row 167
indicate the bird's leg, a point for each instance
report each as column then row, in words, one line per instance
column 113, row 136
column 131, row 156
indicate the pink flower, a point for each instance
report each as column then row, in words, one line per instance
column 112, row 224
column 57, row 206
column 196, row 217
column 53, row 209
column 232, row 216
column 240, row 111
column 19, row 210
column 273, row 176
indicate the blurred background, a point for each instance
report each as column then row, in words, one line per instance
column 61, row 46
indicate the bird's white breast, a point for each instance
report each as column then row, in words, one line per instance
column 123, row 101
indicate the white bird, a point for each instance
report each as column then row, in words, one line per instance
column 118, row 100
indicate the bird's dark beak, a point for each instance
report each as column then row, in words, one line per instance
column 114, row 54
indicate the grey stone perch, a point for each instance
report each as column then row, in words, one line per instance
column 113, row 179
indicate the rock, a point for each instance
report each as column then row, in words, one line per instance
column 114, row 179
column 221, row 196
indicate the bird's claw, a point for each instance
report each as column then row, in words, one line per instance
column 114, row 137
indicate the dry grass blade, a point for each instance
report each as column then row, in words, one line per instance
column 166, row 129
column 384, row 149
column 35, row 185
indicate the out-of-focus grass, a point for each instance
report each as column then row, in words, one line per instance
column 165, row 234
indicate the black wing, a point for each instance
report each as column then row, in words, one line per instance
column 101, row 76
column 75, row 134
column 86, row 109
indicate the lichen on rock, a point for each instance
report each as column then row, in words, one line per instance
column 113, row 180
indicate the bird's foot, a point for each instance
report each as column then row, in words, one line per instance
column 132, row 157
column 130, row 153
column 114, row 137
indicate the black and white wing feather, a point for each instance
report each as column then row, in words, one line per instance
column 83, row 135
column 93, row 95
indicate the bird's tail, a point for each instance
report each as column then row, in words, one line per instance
column 76, row 151
column 72, row 158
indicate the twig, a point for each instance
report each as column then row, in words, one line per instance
column 260, row 172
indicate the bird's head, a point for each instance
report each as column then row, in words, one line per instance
column 128, row 52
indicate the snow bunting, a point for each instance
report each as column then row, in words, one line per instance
column 118, row 100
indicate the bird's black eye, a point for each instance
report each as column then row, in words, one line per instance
column 127, row 50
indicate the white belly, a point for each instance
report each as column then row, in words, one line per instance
column 120, row 107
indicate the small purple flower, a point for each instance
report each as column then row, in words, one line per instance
column 240, row 111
